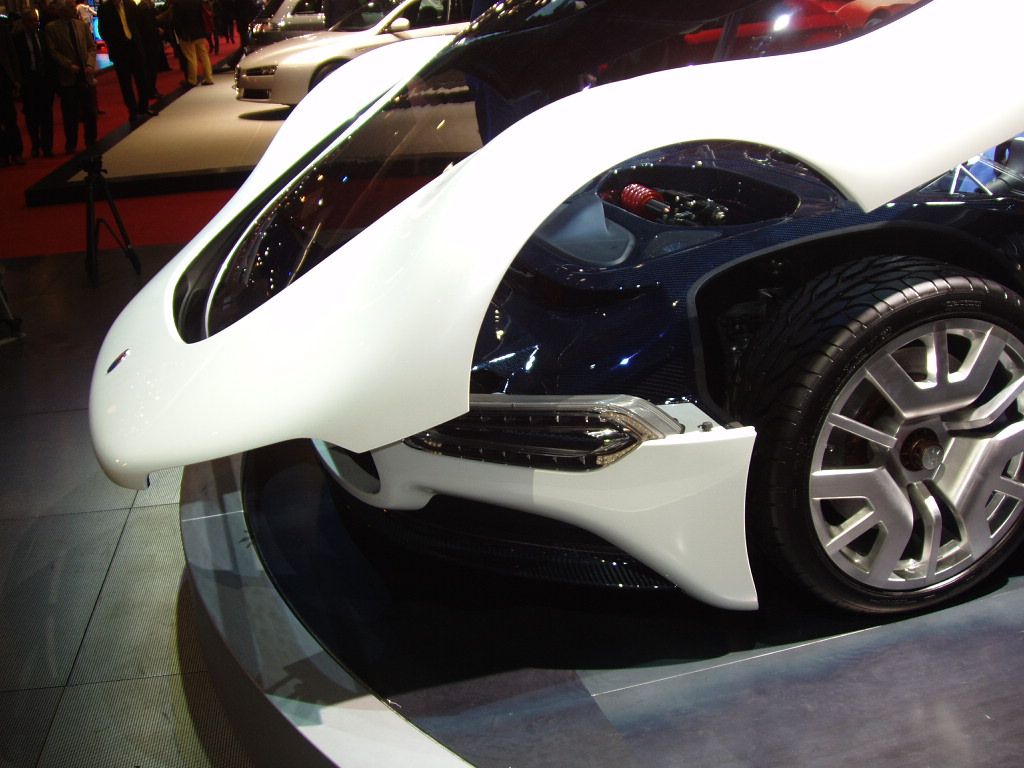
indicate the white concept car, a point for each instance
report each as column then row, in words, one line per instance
column 710, row 284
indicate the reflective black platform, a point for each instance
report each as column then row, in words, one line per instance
column 503, row 671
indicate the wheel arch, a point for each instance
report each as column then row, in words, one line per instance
column 324, row 69
column 730, row 305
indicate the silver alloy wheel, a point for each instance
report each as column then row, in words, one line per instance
column 918, row 470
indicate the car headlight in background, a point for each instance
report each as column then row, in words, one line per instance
column 260, row 71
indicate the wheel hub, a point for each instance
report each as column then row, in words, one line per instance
column 922, row 451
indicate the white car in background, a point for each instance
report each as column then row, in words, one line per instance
column 283, row 73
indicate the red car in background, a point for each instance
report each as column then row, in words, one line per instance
column 767, row 28
column 773, row 27
column 859, row 14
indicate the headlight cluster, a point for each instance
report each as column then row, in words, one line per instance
column 564, row 433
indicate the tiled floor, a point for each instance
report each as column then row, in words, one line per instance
column 99, row 656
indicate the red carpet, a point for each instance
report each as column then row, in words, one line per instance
column 52, row 229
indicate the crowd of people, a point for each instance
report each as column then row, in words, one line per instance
column 48, row 52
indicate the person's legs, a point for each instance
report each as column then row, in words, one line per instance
column 188, row 50
column 70, row 108
column 203, row 55
column 11, row 146
column 124, row 80
column 30, row 106
column 45, row 114
column 143, row 85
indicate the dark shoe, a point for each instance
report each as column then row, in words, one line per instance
column 35, row 151
column 207, row 82
column 151, row 111
column 18, row 159
column 47, row 153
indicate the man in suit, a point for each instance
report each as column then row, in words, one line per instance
column 37, row 83
column 73, row 49
column 120, row 28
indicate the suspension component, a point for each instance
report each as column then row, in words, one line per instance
column 667, row 206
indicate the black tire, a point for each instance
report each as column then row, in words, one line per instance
column 321, row 74
column 876, row 463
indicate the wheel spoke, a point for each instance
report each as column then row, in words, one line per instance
column 896, row 386
column 889, row 510
column 860, row 429
column 852, row 529
column 886, row 555
column 976, row 474
column 938, row 355
column 976, row 371
column 927, row 507
column 988, row 412
column 1012, row 488
column 943, row 391
column 868, row 484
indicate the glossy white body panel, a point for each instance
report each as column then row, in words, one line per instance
column 123, row 407
column 676, row 504
column 375, row 344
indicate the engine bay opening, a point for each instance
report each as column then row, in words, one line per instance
column 695, row 196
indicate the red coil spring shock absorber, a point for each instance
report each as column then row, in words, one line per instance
column 643, row 201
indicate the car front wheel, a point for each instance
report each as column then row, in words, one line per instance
column 323, row 73
column 888, row 473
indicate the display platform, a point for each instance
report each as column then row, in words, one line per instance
column 367, row 654
column 203, row 139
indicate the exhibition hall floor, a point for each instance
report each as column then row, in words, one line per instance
column 100, row 663
column 100, row 659
column 99, row 655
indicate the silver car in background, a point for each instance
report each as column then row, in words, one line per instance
column 284, row 72
column 283, row 19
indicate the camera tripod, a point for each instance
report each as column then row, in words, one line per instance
column 96, row 184
column 7, row 317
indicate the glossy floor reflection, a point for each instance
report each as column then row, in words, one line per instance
column 506, row 672
column 99, row 659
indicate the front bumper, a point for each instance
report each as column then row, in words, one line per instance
column 677, row 504
column 253, row 87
